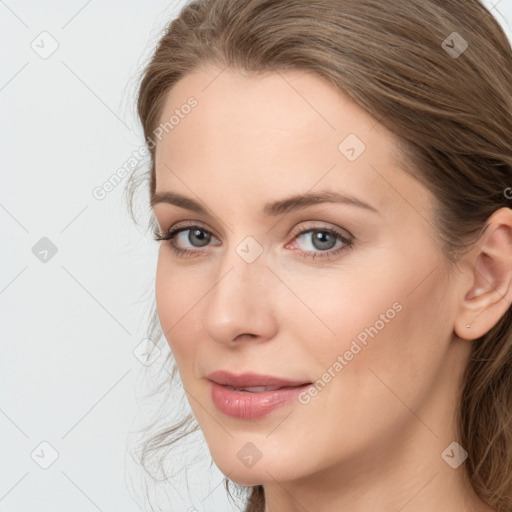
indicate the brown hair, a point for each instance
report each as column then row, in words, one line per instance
column 452, row 116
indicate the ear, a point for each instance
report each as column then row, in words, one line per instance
column 489, row 268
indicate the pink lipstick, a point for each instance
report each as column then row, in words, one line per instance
column 250, row 396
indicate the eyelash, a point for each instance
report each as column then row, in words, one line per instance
column 169, row 238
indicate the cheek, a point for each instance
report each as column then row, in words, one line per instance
column 394, row 342
column 343, row 306
column 165, row 293
column 394, row 321
column 176, row 293
column 390, row 342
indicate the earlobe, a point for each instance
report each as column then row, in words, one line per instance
column 490, row 268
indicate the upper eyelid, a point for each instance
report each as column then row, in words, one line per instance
column 193, row 223
column 300, row 229
column 296, row 230
column 191, row 226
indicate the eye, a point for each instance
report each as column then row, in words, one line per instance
column 197, row 237
column 194, row 234
column 319, row 241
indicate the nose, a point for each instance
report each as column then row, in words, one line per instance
column 240, row 305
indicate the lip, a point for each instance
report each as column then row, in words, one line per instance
column 250, row 405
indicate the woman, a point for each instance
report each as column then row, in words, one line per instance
column 330, row 182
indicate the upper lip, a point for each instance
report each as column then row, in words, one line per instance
column 226, row 378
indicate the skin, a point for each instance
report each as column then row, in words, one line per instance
column 372, row 438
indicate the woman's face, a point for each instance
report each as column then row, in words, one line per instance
column 312, row 277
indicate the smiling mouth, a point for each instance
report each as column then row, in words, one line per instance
column 252, row 381
column 252, row 396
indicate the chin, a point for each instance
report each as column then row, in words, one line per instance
column 246, row 479
column 239, row 467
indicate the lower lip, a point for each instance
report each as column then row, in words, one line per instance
column 249, row 406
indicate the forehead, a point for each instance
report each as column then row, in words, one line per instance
column 286, row 130
column 276, row 104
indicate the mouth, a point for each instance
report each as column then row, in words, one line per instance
column 257, row 389
column 252, row 381
column 251, row 396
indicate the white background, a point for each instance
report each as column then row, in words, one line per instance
column 68, row 375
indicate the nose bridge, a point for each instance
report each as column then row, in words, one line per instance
column 239, row 301
column 243, row 268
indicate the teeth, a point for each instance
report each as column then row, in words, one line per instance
column 255, row 389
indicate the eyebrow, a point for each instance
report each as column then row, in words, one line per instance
column 275, row 208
